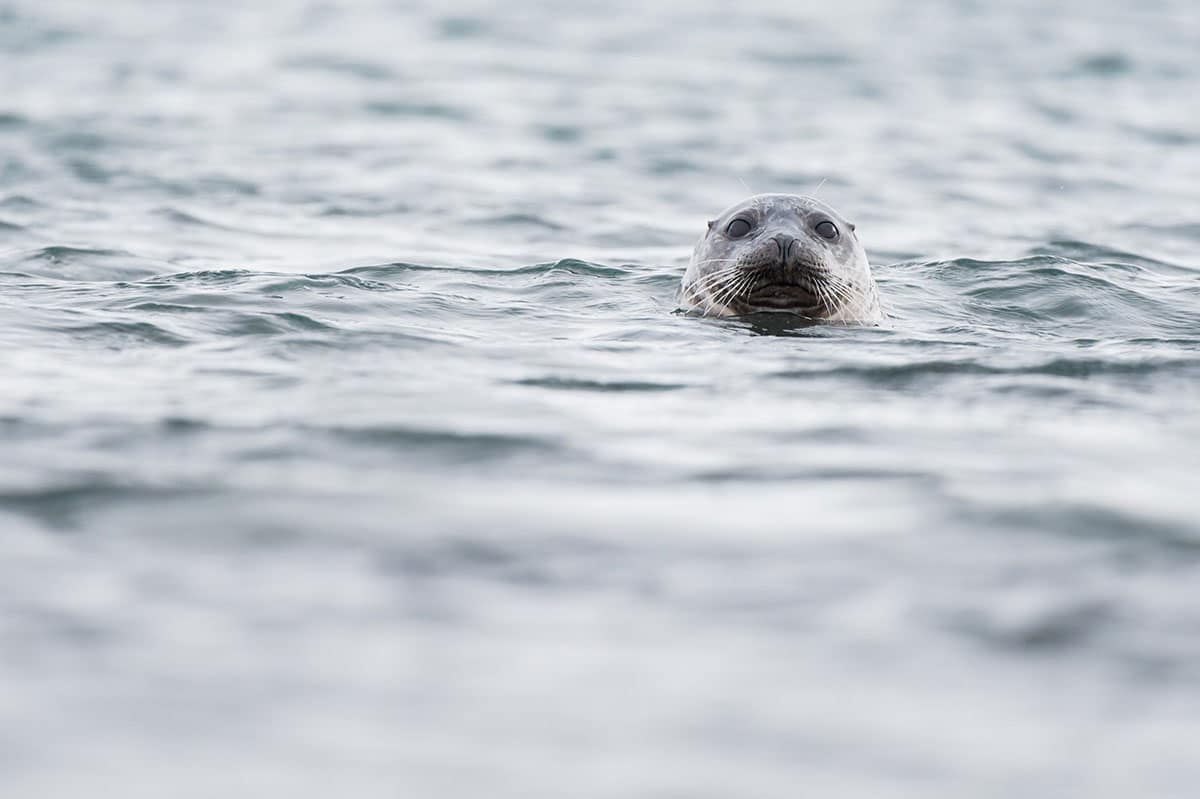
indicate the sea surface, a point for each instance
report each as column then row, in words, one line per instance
column 352, row 443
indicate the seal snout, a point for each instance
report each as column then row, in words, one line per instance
column 784, row 242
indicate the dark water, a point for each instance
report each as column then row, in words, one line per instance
column 349, row 441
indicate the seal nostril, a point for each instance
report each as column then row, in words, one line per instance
column 784, row 243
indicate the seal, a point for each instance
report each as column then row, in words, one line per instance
column 781, row 253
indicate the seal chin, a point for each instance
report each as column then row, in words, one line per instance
column 783, row 297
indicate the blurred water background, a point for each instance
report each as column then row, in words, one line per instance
column 350, row 444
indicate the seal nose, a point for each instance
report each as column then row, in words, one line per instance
column 784, row 243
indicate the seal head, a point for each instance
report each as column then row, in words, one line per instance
column 781, row 253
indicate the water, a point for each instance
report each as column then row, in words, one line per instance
column 349, row 441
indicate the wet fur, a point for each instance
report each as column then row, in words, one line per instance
column 815, row 278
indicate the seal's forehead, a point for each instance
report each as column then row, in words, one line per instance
column 773, row 203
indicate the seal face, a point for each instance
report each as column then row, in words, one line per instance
column 781, row 253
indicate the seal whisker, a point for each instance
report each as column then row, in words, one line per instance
column 727, row 270
column 739, row 287
column 844, row 291
column 716, row 261
column 726, row 292
column 829, row 292
column 716, row 276
column 702, row 290
column 715, row 279
column 712, row 301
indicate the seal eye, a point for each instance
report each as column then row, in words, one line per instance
column 738, row 228
column 827, row 230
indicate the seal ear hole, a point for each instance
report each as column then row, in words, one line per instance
column 711, row 222
column 852, row 226
column 738, row 228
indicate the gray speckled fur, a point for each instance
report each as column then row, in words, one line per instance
column 812, row 277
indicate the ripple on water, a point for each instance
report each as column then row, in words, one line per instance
column 1079, row 368
column 359, row 69
column 448, row 445
column 1108, row 64
column 418, row 109
column 602, row 386
column 63, row 262
column 118, row 335
column 1052, row 296
column 66, row 506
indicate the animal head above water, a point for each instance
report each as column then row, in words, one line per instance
column 781, row 253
